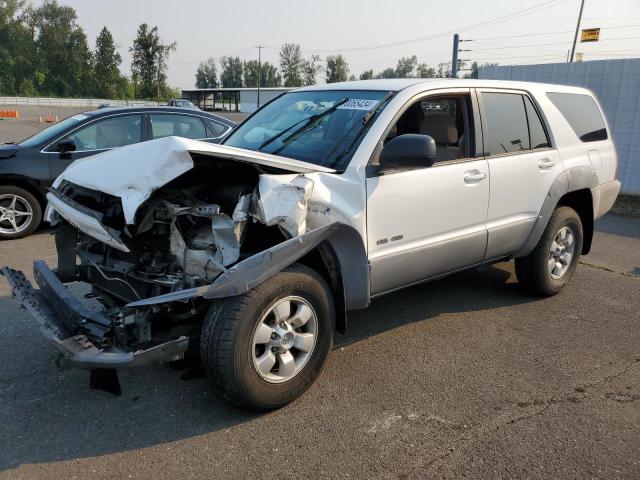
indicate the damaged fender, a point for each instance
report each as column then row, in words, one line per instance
column 344, row 240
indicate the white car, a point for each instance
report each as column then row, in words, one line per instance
column 250, row 253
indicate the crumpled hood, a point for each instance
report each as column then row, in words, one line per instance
column 134, row 172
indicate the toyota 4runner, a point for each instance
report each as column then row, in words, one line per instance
column 250, row 253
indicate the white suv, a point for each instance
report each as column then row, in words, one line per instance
column 250, row 253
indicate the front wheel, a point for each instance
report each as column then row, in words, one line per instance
column 547, row 269
column 20, row 212
column 263, row 349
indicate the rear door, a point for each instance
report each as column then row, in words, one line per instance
column 180, row 125
column 522, row 167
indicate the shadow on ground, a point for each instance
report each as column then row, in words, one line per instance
column 50, row 415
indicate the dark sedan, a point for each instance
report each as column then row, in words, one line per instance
column 29, row 167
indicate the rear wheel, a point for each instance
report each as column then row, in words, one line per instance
column 263, row 349
column 547, row 269
column 20, row 212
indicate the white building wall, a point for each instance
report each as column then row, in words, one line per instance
column 249, row 99
column 616, row 83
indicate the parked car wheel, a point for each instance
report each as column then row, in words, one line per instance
column 20, row 212
column 263, row 349
column 551, row 264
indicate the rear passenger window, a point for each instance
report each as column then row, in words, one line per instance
column 537, row 135
column 165, row 125
column 583, row 115
column 506, row 123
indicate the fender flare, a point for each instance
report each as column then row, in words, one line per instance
column 345, row 241
column 571, row 180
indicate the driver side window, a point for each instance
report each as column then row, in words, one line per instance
column 108, row 133
column 446, row 119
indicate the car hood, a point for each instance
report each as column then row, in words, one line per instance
column 134, row 172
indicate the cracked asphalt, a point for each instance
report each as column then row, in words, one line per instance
column 463, row 377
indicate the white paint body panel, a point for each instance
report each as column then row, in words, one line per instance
column 416, row 214
column 441, row 224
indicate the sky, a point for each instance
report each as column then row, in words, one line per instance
column 371, row 34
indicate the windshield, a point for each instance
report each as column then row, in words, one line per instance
column 54, row 130
column 320, row 127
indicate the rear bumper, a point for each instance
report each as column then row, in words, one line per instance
column 79, row 334
column 604, row 196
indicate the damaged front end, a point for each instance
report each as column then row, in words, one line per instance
column 154, row 259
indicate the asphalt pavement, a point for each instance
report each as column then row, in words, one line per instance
column 464, row 377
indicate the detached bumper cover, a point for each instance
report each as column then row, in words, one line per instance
column 60, row 314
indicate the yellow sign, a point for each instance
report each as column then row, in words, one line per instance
column 590, row 35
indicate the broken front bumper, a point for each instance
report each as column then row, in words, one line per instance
column 62, row 316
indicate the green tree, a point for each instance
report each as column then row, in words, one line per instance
column 337, row 69
column 252, row 71
column 207, row 74
column 475, row 67
column 444, row 70
column 387, row 73
column 81, row 67
column 311, row 67
column 149, row 64
column 231, row 76
column 406, row 66
column 17, row 48
column 62, row 49
column 425, row 71
column 270, row 76
column 108, row 79
column 366, row 75
column 291, row 65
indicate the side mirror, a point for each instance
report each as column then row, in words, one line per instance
column 67, row 145
column 408, row 151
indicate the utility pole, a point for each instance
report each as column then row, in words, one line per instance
column 454, row 58
column 259, row 47
column 575, row 38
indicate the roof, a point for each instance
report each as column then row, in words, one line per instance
column 159, row 108
column 397, row 84
column 238, row 89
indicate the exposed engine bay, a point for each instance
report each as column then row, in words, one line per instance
column 184, row 236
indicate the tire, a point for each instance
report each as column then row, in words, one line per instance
column 23, row 202
column 536, row 271
column 233, row 349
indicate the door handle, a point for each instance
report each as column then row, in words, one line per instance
column 474, row 176
column 546, row 163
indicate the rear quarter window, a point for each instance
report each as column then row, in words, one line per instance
column 582, row 114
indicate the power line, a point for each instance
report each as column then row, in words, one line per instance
column 544, row 44
column 503, row 18
column 614, row 27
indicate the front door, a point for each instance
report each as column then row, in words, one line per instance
column 96, row 137
column 428, row 221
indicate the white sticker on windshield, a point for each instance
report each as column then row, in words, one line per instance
column 79, row 117
column 358, row 104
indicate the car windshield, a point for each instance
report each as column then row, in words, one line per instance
column 53, row 131
column 320, row 127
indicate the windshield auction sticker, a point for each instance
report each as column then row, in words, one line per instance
column 358, row 104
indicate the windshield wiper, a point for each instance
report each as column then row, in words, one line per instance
column 306, row 123
column 365, row 121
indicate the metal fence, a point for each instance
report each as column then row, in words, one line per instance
column 70, row 102
column 616, row 83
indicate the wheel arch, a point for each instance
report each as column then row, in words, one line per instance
column 336, row 251
column 27, row 184
column 572, row 188
column 582, row 202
